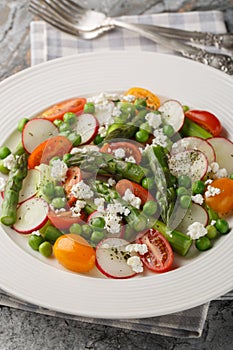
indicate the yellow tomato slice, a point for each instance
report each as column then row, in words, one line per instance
column 153, row 101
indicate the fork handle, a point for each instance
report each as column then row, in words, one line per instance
column 220, row 61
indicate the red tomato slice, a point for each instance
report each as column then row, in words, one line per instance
column 205, row 119
column 64, row 220
column 135, row 188
column 73, row 176
column 57, row 111
column 160, row 256
column 43, row 153
column 130, row 149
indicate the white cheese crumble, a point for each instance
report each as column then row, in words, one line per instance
column 212, row 191
column 154, row 120
column 81, row 191
column 208, row 182
column 99, row 202
column 159, row 138
column 137, row 248
column 79, row 205
column 130, row 198
column 196, row 230
column 36, row 233
column 111, row 182
column 113, row 216
column 9, row 161
column 198, row 199
column 119, row 153
column 130, row 159
column 58, row 170
column 129, row 98
column 135, row 263
column 2, row 184
column 216, row 172
column 213, row 222
column 103, row 130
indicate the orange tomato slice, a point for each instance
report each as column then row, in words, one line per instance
column 153, row 101
column 222, row 203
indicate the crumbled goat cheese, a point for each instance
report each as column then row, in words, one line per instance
column 198, row 199
column 216, row 172
column 154, row 120
column 159, row 138
column 129, row 98
column 113, row 216
column 111, row 182
column 2, row 184
column 126, row 212
column 9, row 161
column 212, row 191
column 79, row 205
column 130, row 198
column 196, row 230
column 130, row 159
column 103, row 130
column 213, row 222
column 135, row 263
column 57, row 211
column 36, row 233
column 220, row 173
column 58, row 170
column 119, row 153
column 99, row 202
column 137, row 248
column 208, row 182
column 81, row 191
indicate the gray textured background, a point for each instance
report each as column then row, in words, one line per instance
column 21, row 330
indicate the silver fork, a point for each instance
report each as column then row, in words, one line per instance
column 87, row 24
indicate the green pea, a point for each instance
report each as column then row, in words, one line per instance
column 145, row 126
column 66, row 157
column 198, row 187
column 127, row 108
column 57, row 122
column 97, row 236
column 86, row 231
column 70, row 118
column 185, row 108
column 98, row 222
column 140, row 223
column 4, row 152
column 22, row 123
column 52, row 233
column 150, row 208
column 148, row 183
column 182, row 191
column 89, row 107
column 185, row 201
column 140, row 103
column 98, row 139
column 76, row 228
column 59, row 191
column 48, row 189
column 64, row 126
column 222, row 226
column 35, row 240
column 231, row 176
column 184, row 181
column 203, row 243
column 211, row 231
column 75, row 139
column 168, row 130
column 141, row 136
column 46, row 249
column 58, row 202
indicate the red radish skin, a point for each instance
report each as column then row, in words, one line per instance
column 31, row 215
column 87, row 127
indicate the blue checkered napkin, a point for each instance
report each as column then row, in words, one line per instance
column 48, row 43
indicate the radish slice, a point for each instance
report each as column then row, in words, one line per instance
column 111, row 258
column 224, row 152
column 192, row 163
column 36, row 131
column 87, row 127
column 31, row 215
column 195, row 213
column 173, row 114
column 189, row 143
column 30, row 185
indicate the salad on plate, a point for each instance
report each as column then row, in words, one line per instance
column 124, row 182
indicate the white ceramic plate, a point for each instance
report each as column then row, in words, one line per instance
column 27, row 275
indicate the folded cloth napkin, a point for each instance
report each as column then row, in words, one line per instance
column 48, row 43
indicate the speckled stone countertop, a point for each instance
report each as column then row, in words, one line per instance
column 27, row 330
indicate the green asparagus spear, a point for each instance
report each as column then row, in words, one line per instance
column 13, row 187
column 191, row 128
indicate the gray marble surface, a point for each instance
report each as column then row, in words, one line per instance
column 26, row 330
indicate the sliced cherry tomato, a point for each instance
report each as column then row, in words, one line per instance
column 135, row 188
column 222, row 203
column 205, row 119
column 64, row 220
column 153, row 101
column 43, row 153
column 57, row 111
column 160, row 256
column 74, row 253
column 73, row 176
column 130, row 149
